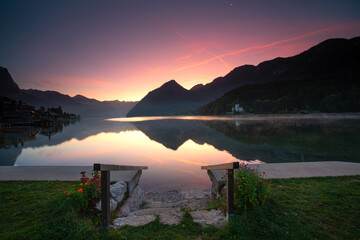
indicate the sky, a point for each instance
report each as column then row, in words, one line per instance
column 121, row 50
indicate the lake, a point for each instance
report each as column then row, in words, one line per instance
column 174, row 148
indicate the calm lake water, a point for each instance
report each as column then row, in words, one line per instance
column 174, row 148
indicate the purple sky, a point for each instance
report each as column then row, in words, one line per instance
column 124, row 49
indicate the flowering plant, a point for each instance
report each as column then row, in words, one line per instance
column 86, row 192
column 250, row 188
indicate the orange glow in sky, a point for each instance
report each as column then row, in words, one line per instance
column 128, row 49
column 188, row 66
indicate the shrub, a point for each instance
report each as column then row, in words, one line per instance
column 85, row 193
column 250, row 188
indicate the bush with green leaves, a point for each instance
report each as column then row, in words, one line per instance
column 87, row 192
column 250, row 188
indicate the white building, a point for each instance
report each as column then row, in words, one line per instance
column 237, row 109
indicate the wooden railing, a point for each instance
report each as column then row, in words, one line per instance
column 229, row 167
column 105, row 187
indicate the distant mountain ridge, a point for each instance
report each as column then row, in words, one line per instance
column 333, row 58
column 78, row 104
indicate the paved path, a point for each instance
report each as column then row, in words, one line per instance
column 273, row 170
column 63, row 173
column 296, row 170
column 308, row 169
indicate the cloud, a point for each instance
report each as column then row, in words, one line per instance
column 226, row 65
column 220, row 59
column 190, row 55
column 189, row 161
column 181, row 35
column 230, row 53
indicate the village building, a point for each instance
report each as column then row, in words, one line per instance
column 237, row 109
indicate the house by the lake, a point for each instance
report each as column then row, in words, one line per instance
column 237, row 109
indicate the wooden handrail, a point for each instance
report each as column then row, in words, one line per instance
column 223, row 166
column 105, row 187
column 229, row 167
column 110, row 167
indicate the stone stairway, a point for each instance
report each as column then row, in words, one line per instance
column 169, row 207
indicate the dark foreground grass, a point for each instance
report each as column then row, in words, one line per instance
column 305, row 208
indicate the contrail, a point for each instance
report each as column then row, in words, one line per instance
column 306, row 35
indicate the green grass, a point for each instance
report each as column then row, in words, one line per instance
column 304, row 208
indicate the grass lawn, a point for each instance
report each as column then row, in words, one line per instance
column 303, row 208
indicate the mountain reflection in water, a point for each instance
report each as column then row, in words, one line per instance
column 177, row 147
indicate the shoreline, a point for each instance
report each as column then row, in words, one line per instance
column 272, row 170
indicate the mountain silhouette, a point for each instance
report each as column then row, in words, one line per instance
column 334, row 58
column 325, row 78
column 277, row 140
column 12, row 144
column 78, row 104
column 166, row 99
column 8, row 86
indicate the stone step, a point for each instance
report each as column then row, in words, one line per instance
column 161, row 205
column 133, row 220
column 167, row 206
column 166, row 215
column 171, row 216
column 209, row 218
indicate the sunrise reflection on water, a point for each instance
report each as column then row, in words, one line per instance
column 174, row 148
column 168, row 169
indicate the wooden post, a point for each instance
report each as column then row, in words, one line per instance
column 229, row 167
column 230, row 193
column 105, row 199
column 105, row 187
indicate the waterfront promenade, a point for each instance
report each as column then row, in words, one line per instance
column 272, row 170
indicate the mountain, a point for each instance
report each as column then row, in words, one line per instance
column 166, row 99
column 8, row 86
column 78, row 104
column 325, row 78
column 335, row 59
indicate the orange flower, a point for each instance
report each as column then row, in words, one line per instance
column 80, row 190
column 74, row 185
column 86, row 183
column 65, row 192
column 81, row 183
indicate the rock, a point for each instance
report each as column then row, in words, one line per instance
column 166, row 215
column 165, row 197
column 195, row 199
column 134, row 220
column 189, row 198
column 161, row 205
column 167, row 205
column 113, row 205
column 131, row 177
column 118, row 191
column 207, row 218
column 117, row 194
column 195, row 194
column 133, row 203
